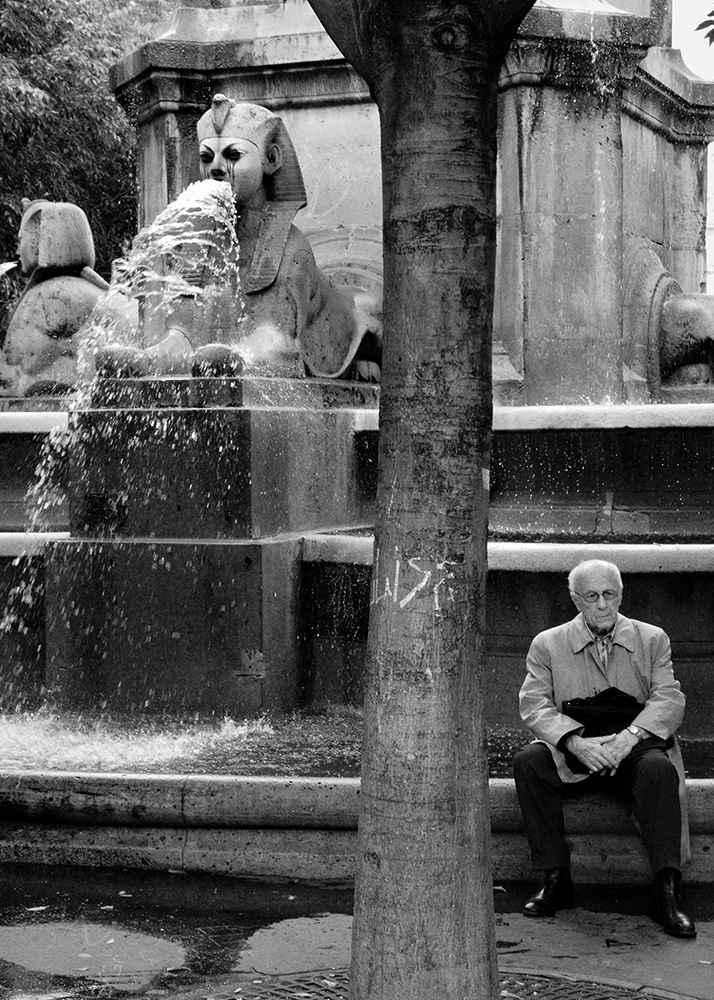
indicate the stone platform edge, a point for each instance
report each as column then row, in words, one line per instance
column 292, row 828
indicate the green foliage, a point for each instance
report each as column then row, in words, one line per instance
column 64, row 136
column 709, row 23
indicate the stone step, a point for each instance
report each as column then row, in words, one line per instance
column 23, row 435
column 603, row 473
column 288, row 827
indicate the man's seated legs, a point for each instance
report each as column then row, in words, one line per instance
column 651, row 778
column 648, row 775
column 540, row 794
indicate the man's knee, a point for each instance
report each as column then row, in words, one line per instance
column 532, row 757
column 655, row 766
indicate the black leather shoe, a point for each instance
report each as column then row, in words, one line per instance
column 668, row 908
column 556, row 894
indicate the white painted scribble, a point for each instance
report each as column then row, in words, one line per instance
column 434, row 576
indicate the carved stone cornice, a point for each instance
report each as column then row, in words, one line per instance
column 570, row 64
column 160, row 89
column 669, row 99
column 594, row 48
column 277, row 54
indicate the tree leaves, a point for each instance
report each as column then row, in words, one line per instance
column 709, row 23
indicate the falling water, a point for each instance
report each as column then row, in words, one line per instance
column 182, row 272
column 45, row 740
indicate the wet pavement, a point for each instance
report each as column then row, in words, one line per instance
column 610, row 938
column 80, row 932
column 77, row 933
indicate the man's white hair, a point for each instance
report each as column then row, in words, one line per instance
column 588, row 564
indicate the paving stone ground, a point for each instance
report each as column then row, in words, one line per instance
column 79, row 933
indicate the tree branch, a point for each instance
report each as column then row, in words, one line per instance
column 368, row 31
column 346, row 22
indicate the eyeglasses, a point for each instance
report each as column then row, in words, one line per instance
column 592, row 595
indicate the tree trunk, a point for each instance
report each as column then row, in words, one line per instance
column 424, row 908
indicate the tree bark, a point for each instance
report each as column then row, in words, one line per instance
column 424, row 908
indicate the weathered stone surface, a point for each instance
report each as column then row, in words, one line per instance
column 263, row 853
column 100, row 846
column 176, row 800
column 215, row 473
column 101, row 799
column 601, row 155
column 620, row 484
column 324, row 803
column 173, row 626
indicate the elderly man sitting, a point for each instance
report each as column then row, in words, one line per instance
column 601, row 699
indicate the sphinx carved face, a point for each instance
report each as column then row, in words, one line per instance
column 242, row 163
column 28, row 243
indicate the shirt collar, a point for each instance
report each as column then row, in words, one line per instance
column 623, row 634
column 607, row 637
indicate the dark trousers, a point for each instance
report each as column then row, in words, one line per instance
column 646, row 774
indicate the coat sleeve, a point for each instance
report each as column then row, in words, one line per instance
column 664, row 708
column 536, row 699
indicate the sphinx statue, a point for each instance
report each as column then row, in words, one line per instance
column 56, row 252
column 281, row 314
column 687, row 339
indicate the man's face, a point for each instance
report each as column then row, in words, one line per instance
column 238, row 161
column 598, row 597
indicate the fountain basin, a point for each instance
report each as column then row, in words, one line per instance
column 628, row 483
column 302, row 828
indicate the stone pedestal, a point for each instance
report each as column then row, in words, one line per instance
column 179, row 589
column 174, row 627
column 602, row 153
column 562, row 236
column 281, row 459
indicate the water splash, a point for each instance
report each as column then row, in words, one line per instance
column 182, row 272
column 45, row 740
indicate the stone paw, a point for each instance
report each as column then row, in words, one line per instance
column 216, row 361
column 118, row 361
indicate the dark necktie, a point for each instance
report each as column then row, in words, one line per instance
column 604, row 642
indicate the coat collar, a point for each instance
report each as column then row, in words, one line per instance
column 580, row 637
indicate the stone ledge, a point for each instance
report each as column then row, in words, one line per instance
column 531, row 557
column 27, row 543
column 616, row 416
column 202, row 800
column 33, row 421
column 179, row 800
column 239, row 826
column 327, row 855
column 534, row 557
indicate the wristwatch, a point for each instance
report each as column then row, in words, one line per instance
column 636, row 731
